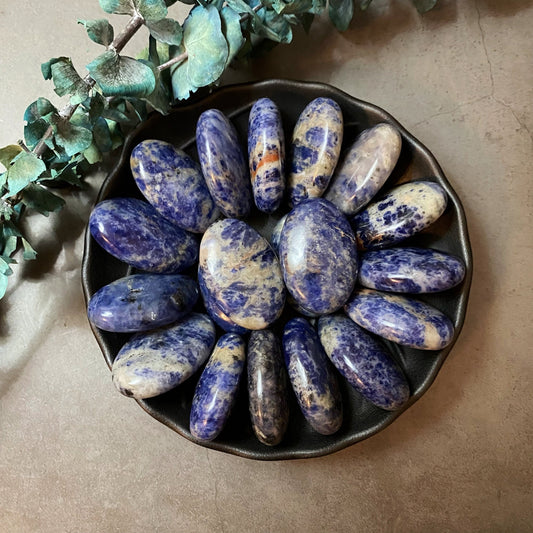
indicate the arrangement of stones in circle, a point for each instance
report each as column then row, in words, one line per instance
column 332, row 258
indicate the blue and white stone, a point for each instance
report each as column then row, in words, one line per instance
column 312, row 377
column 318, row 256
column 173, row 183
column 134, row 232
column 365, row 168
column 400, row 319
column 363, row 361
column 315, row 150
column 216, row 314
column 223, row 164
column 410, row 270
column 241, row 274
column 141, row 302
column 266, row 155
column 155, row 362
column 275, row 236
column 401, row 213
column 267, row 387
column 217, row 388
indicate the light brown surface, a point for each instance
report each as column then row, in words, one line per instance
column 76, row 456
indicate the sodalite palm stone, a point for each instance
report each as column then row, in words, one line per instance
column 275, row 236
column 141, row 302
column 318, row 256
column 155, row 362
column 223, row 164
column 267, row 387
column 217, row 388
column 363, row 361
column 411, row 270
column 365, row 168
column 402, row 212
column 400, row 319
column 134, row 232
column 173, row 183
column 241, row 274
column 312, row 377
column 316, row 146
column 266, row 155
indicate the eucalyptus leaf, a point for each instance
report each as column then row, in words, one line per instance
column 8, row 153
column 34, row 132
column 3, row 285
column 291, row 6
column 46, row 68
column 102, row 135
column 71, row 137
column 181, row 85
column 29, row 253
column 42, row 200
column 341, row 13
column 25, row 168
column 68, row 81
column 100, row 31
column 121, row 75
column 167, row 31
column 151, row 10
column 40, row 109
column 279, row 25
column 10, row 245
column 5, row 269
column 424, row 6
column 231, row 28
column 93, row 154
column 3, row 181
column 119, row 7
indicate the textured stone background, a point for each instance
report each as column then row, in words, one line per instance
column 75, row 456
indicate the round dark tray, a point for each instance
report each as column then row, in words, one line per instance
column 449, row 234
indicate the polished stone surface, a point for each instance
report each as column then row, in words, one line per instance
column 312, row 377
column 400, row 319
column 400, row 213
column 241, row 274
column 365, row 168
column 155, row 362
column 141, row 302
column 217, row 388
column 134, row 232
column 315, row 150
column 267, row 387
column 173, row 183
column 266, row 155
column 363, row 361
column 223, row 164
column 275, row 236
column 411, row 270
column 318, row 256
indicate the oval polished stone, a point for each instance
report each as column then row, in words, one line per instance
column 400, row 319
column 217, row 388
column 141, row 302
column 402, row 212
column 173, row 183
column 312, row 377
column 241, row 274
column 363, row 361
column 275, row 236
column 318, row 256
column 266, row 155
column 134, row 232
column 223, row 164
column 267, row 387
column 365, row 168
column 411, row 270
column 316, row 145
column 155, row 362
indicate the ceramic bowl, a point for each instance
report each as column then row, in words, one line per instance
column 449, row 234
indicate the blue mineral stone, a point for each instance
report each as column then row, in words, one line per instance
column 276, row 234
column 134, row 232
column 400, row 319
column 241, row 274
column 318, row 256
column 365, row 168
column 216, row 314
column 316, row 146
column 411, row 270
column 223, row 164
column 267, row 387
column 312, row 377
column 266, row 155
column 155, row 362
column 217, row 388
column 399, row 214
column 363, row 361
column 173, row 183
column 141, row 302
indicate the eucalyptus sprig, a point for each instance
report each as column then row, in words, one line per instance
column 119, row 91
